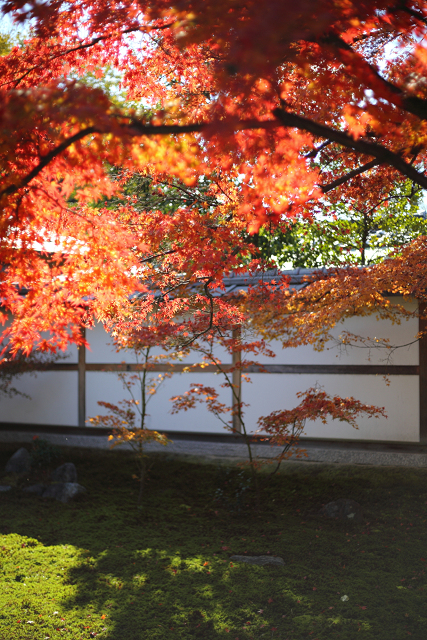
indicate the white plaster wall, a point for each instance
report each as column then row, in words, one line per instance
column 70, row 355
column 106, row 386
column 101, row 350
column 272, row 392
column 53, row 399
column 54, row 394
column 367, row 326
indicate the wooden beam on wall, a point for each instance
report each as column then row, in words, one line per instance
column 332, row 369
column 237, row 382
column 337, row 369
column 82, row 384
column 422, row 346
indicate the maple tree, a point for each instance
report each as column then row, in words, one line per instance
column 276, row 107
column 308, row 315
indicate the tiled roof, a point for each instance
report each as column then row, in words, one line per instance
column 298, row 277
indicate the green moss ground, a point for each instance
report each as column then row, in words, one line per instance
column 99, row 568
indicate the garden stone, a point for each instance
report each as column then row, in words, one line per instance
column 65, row 473
column 4, row 487
column 37, row 489
column 343, row 509
column 260, row 560
column 63, row 491
column 19, row 463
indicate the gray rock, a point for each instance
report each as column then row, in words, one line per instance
column 65, row 473
column 343, row 509
column 38, row 489
column 20, row 462
column 63, row 491
column 4, row 487
column 260, row 560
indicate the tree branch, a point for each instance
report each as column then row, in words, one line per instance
column 45, row 160
column 382, row 154
column 158, row 255
column 348, row 176
column 313, row 153
column 283, row 118
column 135, row 128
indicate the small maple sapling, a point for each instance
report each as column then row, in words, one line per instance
column 128, row 418
column 230, row 415
column 283, row 428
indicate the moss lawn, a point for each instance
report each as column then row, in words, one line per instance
column 98, row 567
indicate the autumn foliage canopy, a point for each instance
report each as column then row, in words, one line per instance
column 261, row 111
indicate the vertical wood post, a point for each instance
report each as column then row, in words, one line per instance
column 422, row 346
column 237, row 381
column 82, row 383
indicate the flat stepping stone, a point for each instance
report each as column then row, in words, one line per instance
column 63, row 491
column 343, row 509
column 5, row 487
column 260, row 560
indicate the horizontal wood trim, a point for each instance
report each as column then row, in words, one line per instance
column 60, row 366
column 422, row 347
column 338, row 369
column 347, row 369
column 177, row 368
